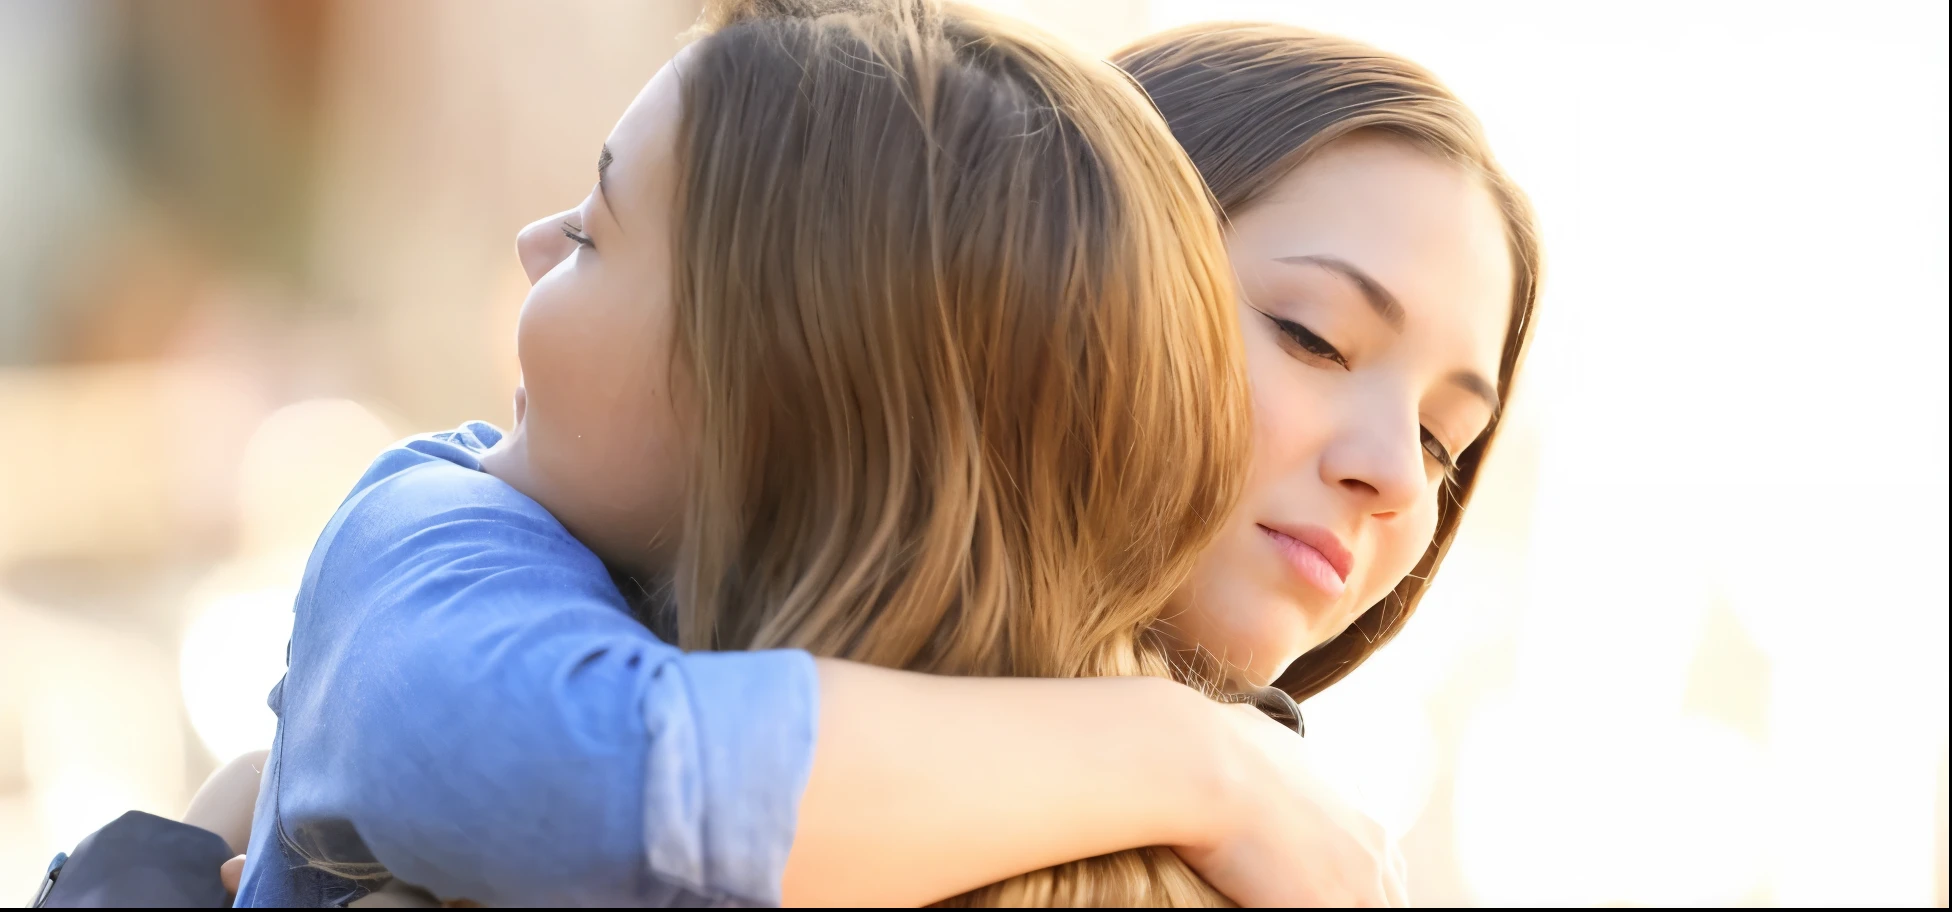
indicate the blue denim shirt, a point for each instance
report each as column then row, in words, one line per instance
column 469, row 703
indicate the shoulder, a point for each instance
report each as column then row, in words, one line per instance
column 429, row 564
column 431, row 489
column 430, row 474
column 425, row 503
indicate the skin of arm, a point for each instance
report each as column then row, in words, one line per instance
column 924, row 787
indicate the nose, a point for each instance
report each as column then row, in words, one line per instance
column 1377, row 460
column 541, row 244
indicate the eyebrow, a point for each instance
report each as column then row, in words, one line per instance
column 1474, row 382
column 1380, row 300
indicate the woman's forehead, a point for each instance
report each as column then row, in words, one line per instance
column 1427, row 230
column 643, row 144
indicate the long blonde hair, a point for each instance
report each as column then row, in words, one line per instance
column 968, row 383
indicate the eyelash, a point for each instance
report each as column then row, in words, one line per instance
column 576, row 234
column 1319, row 347
column 1437, row 451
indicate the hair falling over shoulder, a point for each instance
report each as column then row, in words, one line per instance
column 969, row 387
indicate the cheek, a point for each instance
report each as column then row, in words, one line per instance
column 1292, row 409
column 589, row 355
column 597, row 371
column 1235, row 609
column 1399, row 545
column 552, row 341
column 1239, row 604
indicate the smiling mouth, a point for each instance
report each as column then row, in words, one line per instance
column 1308, row 563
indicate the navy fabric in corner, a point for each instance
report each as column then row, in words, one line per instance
column 143, row 860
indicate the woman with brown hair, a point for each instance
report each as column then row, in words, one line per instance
column 1375, row 238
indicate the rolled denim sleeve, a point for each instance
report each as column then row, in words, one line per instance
column 739, row 738
column 470, row 704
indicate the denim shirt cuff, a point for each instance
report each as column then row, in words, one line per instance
column 731, row 750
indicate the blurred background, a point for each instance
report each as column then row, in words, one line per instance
column 1690, row 648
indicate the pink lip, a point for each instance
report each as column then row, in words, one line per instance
column 1315, row 554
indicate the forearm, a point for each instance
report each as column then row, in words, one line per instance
column 924, row 787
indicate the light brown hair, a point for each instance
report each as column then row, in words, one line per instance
column 959, row 320
column 969, row 388
column 1250, row 102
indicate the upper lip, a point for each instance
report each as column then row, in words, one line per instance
column 1321, row 540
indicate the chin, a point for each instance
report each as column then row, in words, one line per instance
column 1240, row 609
column 1262, row 648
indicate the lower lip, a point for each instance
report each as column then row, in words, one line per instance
column 1307, row 563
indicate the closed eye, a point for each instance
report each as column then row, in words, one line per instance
column 1307, row 341
column 576, row 234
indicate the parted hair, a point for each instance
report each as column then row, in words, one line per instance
column 1250, row 102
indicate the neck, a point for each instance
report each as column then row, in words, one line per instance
column 631, row 547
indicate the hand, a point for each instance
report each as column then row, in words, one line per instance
column 232, row 873
column 1283, row 837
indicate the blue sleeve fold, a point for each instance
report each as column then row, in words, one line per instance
column 469, row 703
